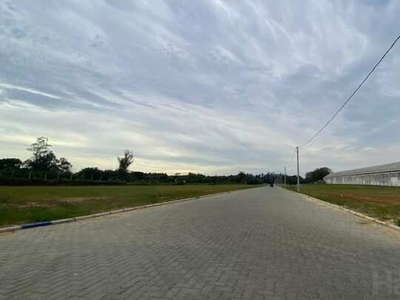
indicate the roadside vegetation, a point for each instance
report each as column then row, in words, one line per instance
column 45, row 203
column 381, row 202
column 44, row 168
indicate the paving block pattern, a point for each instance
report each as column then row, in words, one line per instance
column 263, row 243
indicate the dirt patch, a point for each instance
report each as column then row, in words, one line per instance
column 364, row 222
column 7, row 233
column 34, row 204
column 53, row 203
column 81, row 199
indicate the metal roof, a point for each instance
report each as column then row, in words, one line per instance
column 393, row 167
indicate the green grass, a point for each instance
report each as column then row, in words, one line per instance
column 376, row 201
column 45, row 203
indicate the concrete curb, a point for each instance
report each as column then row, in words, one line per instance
column 309, row 198
column 80, row 218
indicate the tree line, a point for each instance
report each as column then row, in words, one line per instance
column 45, row 168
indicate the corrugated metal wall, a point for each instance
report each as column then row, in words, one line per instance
column 386, row 179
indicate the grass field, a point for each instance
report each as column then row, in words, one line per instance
column 45, row 203
column 377, row 201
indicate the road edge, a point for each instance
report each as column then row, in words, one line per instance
column 345, row 209
column 111, row 212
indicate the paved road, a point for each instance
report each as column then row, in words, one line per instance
column 263, row 243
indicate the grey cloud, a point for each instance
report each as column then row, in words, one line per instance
column 210, row 83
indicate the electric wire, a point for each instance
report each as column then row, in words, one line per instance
column 352, row 94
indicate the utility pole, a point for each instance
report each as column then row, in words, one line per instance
column 285, row 177
column 298, row 170
column 298, row 167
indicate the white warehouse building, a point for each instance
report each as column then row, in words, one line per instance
column 388, row 174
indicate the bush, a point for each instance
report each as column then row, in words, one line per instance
column 41, row 182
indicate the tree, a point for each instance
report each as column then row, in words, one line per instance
column 43, row 159
column 40, row 149
column 125, row 162
column 90, row 174
column 317, row 174
column 241, row 177
column 10, row 163
column 64, row 165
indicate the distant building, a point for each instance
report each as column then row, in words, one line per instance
column 388, row 174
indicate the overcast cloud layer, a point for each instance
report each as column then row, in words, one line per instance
column 206, row 86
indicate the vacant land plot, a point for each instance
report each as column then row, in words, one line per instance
column 37, row 203
column 377, row 201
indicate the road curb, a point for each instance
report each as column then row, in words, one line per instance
column 112, row 212
column 346, row 209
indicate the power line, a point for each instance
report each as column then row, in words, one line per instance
column 351, row 96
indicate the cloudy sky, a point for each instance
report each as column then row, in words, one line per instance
column 211, row 86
